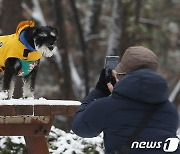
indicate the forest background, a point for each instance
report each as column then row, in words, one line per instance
column 88, row 32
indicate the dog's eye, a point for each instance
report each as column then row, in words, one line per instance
column 43, row 35
column 52, row 34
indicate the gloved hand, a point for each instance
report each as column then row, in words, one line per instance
column 103, row 80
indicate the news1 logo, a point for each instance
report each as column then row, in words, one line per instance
column 170, row 144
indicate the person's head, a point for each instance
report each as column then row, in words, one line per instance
column 134, row 58
column 137, row 57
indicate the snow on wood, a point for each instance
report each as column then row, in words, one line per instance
column 40, row 101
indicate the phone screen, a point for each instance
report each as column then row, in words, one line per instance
column 111, row 62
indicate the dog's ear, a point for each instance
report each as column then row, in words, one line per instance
column 54, row 29
column 34, row 30
column 42, row 34
column 37, row 32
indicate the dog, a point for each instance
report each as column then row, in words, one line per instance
column 20, row 55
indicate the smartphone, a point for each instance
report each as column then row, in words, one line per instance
column 110, row 63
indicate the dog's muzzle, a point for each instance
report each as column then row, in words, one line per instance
column 51, row 47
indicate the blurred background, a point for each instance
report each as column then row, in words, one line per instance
column 88, row 32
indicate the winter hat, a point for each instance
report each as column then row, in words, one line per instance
column 137, row 57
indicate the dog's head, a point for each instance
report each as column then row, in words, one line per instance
column 45, row 39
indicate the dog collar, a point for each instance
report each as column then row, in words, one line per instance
column 23, row 41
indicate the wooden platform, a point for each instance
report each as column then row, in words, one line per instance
column 33, row 120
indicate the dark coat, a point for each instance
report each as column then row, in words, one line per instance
column 120, row 113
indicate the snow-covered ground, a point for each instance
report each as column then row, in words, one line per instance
column 61, row 142
column 58, row 140
column 67, row 143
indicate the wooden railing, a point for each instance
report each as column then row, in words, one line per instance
column 33, row 120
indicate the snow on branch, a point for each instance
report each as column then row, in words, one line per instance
column 78, row 84
column 175, row 91
column 38, row 13
column 93, row 17
column 115, row 36
column 149, row 22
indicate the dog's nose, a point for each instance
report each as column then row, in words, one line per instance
column 50, row 48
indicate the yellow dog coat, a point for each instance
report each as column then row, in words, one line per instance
column 11, row 47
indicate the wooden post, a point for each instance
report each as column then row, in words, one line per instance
column 36, row 145
column 32, row 121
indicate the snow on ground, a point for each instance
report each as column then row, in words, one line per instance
column 73, row 143
column 61, row 142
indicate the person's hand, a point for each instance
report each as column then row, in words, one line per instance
column 102, row 82
column 110, row 85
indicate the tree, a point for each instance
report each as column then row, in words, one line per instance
column 68, row 92
column 115, row 37
column 83, row 46
column 11, row 15
column 92, row 36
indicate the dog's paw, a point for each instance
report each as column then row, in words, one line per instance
column 28, row 98
column 4, row 95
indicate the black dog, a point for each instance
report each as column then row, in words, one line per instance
column 21, row 53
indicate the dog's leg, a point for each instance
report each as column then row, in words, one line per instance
column 28, row 90
column 29, row 83
column 11, row 88
column 8, row 80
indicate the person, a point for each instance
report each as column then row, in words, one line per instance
column 119, row 113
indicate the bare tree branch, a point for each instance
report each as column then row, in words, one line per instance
column 82, row 44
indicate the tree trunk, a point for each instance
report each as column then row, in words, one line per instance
column 11, row 16
column 138, row 6
column 67, row 89
column 127, row 39
column 82, row 44
column 116, row 32
column 92, row 28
